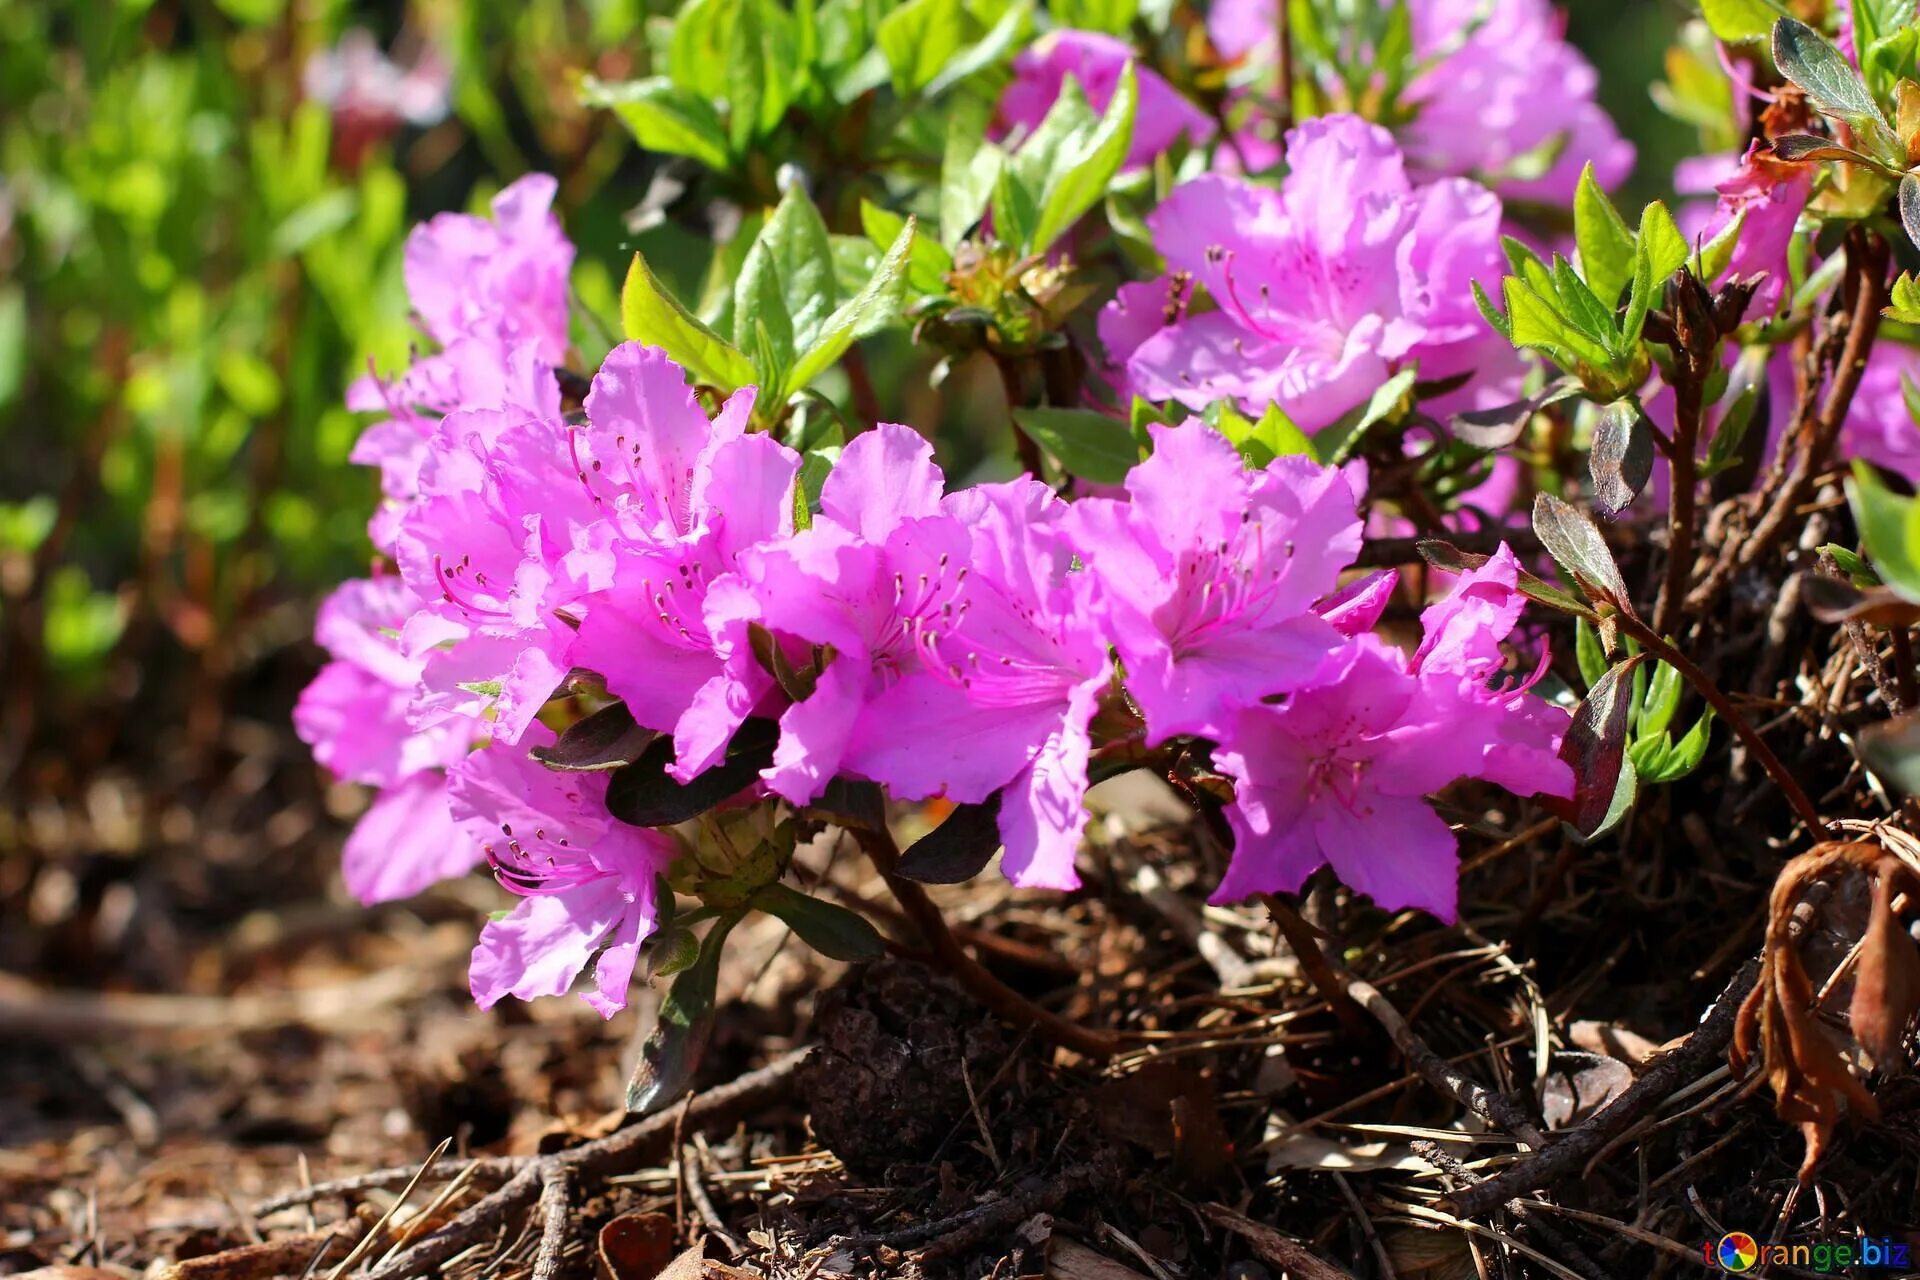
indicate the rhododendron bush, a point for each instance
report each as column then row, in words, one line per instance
column 1353, row 471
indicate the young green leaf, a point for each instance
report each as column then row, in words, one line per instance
column 1739, row 20
column 1605, row 243
column 1086, row 444
column 1085, row 167
column 874, row 306
column 649, row 314
column 919, row 38
column 663, row 117
column 1890, row 528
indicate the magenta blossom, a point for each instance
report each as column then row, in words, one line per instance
column 504, row 278
column 681, row 498
column 1338, row 774
column 586, row 882
column 1010, row 678
column 1096, row 61
column 1770, row 195
column 862, row 589
column 1880, row 427
column 1502, row 91
column 1325, row 287
column 1209, row 575
column 355, row 717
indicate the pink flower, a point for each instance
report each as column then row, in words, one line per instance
column 680, row 499
column 1338, row 774
column 586, row 882
column 1096, row 61
column 862, row 588
column 1209, row 575
column 1880, row 428
column 355, row 716
column 1501, row 84
column 1325, row 287
column 1009, row 680
column 1771, row 194
column 503, row 279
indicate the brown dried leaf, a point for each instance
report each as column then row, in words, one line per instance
column 1886, row 985
column 635, row 1246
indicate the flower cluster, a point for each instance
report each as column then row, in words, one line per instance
column 1320, row 289
column 951, row 643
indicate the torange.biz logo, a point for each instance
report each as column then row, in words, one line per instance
column 1738, row 1251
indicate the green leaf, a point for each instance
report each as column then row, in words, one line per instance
column 663, row 117
column 1086, row 444
column 1275, row 435
column 1588, row 652
column 796, row 245
column 929, row 262
column 919, row 38
column 874, row 306
column 1606, row 244
column 1534, row 322
column 644, row 794
column 1661, row 241
column 833, row 931
column 989, row 50
column 969, row 169
column 649, row 314
column 1716, row 255
column 607, row 739
column 1910, row 207
column 1905, row 300
column 1337, row 442
column 1738, row 20
column 672, row 1053
column 1620, row 460
column 1806, row 58
column 1110, row 16
column 1661, row 760
column 1661, row 702
column 1890, row 528
column 1495, row 319
column 1577, row 546
column 1747, row 390
column 1578, row 303
column 1085, row 167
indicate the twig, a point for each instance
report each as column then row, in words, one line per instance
column 1661, row 1078
column 1651, row 641
column 492, row 1169
column 553, row 1223
column 1683, row 468
column 1495, row 1108
column 622, row 1149
column 961, row 1231
column 1306, row 948
column 1528, row 1223
column 1278, row 1250
column 968, row 972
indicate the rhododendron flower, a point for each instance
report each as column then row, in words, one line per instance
column 681, row 498
column 1500, row 89
column 1337, row 775
column 586, row 881
column 879, row 570
column 355, row 717
column 1096, row 61
column 1327, row 286
column 1770, row 194
column 1011, row 677
column 1880, row 427
column 504, row 278
column 1208, row 576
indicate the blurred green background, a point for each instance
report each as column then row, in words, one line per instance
column 202, row 210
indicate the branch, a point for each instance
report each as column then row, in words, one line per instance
column 1651, row 641
column 1662, row 1078
column 968, row 972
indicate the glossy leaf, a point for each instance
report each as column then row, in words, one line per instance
column 672, row 1052
column 959, row 848
column 1577, row 546
column 645, row 795
column 1621, row 457
column 607, row 739
column 832, row 930
column 1605, row 243
column 649, row 314
column 1086, row 444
